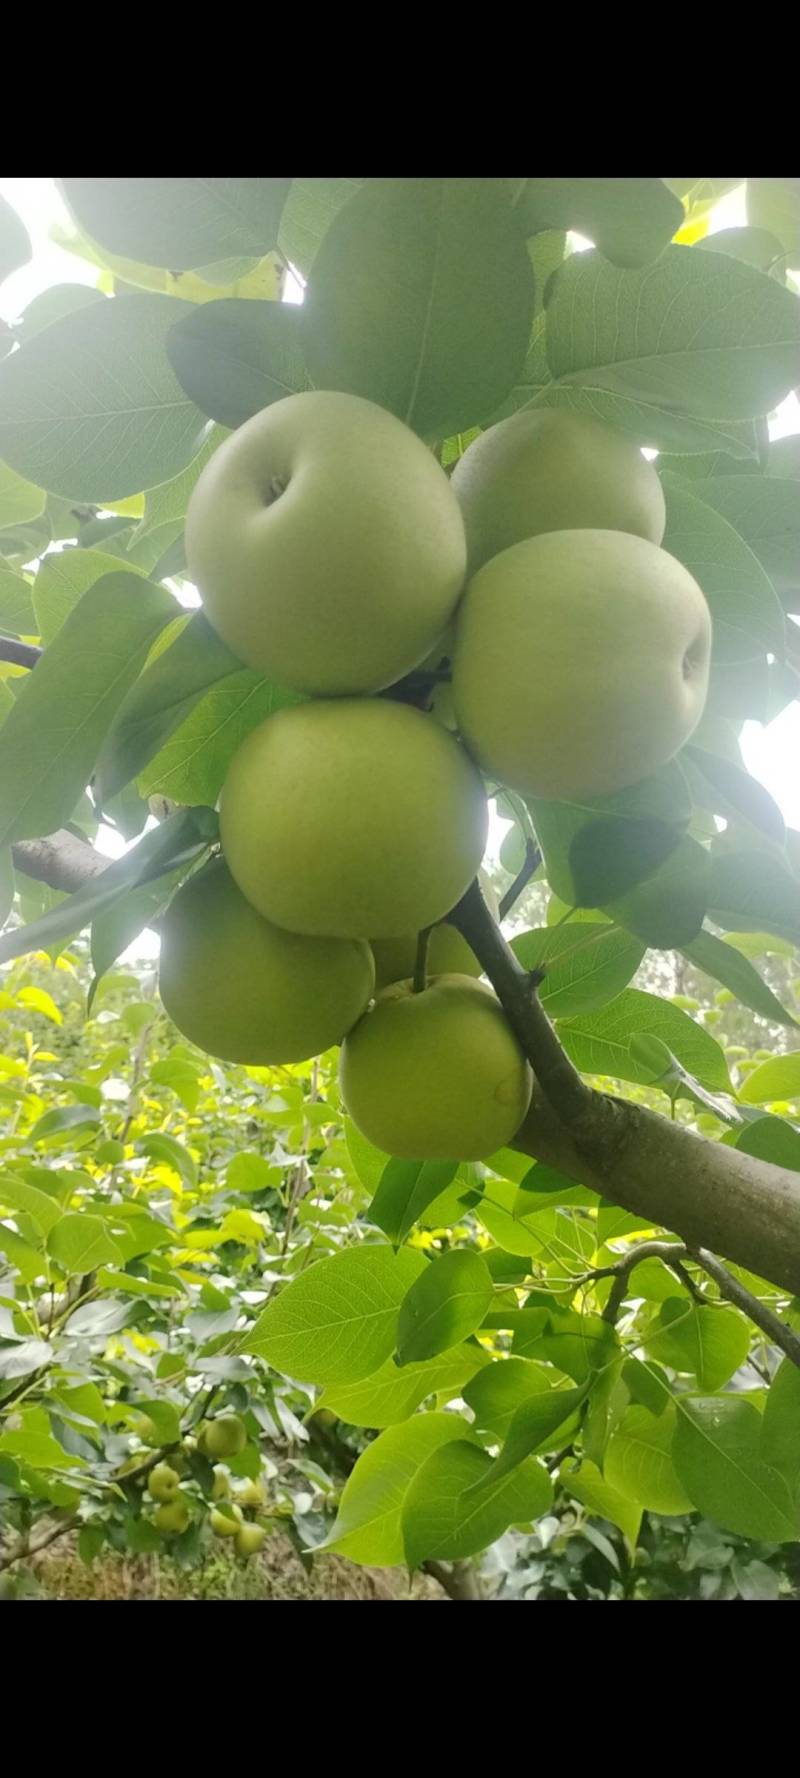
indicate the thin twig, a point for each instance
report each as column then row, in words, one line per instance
column 530, row 865
column 516, row 989
column 769, row 1323
column 24, row 1548
column 670, row 1251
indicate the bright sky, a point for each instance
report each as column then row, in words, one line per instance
column 772, row 752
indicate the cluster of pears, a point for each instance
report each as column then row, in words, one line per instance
column 333, row 554
column 224, row 1436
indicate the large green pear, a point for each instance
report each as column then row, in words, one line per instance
column 249, row 991
column 327, row 544
column 553, row 471
column 581, row 663
column 438, row 1075
column 353, row 817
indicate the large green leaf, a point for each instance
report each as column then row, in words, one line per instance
column 79, row 1242
column 669, row 907
column 368, row 1523
column 779, row 1078
column 585, row 1482
column 235, row 357
column 63, row 578
column 710, row 1343
column 183, row 224
column 50, row 740
column 723, row 787
column 457, row 1504
column 771, row 1139
column 717, row 1455
column 638, row 1461
column 595, row 851
column 20, row 501
column 631, row 221
column 15, row 247
column 745, row 608
column 406, row 1189
column 585, row 964
column 765, row 510
column 599, row 1043
column 91, row 407
column 497, row 1390
column 17, row 616
column 160, row 701
column 753, row 891
column 543, row 1422
column 421, row 299
column 192, row 765
column 703, row 335
column 446, row 1303
column 337, row 1322
column 727, row 965
column 780, row 1435
column 166, row 505
column 391, row 1394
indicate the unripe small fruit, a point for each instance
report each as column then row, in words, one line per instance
column 223, row 1437
column 249, row 1539
column 163, row 1481
column 251, row 1493
column 686, row 1002
column 174, row 1515
column 225, row 1524
column 221, row 1485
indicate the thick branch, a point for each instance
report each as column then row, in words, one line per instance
column 517, row 989
column 22, row 654
column 59, row 859
column 707, row 1193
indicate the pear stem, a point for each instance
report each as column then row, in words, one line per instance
column 530, row 865
column 421, row 963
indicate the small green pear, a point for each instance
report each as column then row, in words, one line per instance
column 221, row 1485
column 248, row 991
column 163, row 1481
column 251, row 1493
column 223, row 1437
column 225, row 1524
column 552, row 470
column 327, row 544
column 174, row 1515
column 249, row 1539
column 581, row 663
column 353, row 817
column 437, row 1075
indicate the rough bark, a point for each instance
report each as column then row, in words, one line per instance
column 59, row 859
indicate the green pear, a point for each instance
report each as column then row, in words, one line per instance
column 448, row 954
column 225, row 1524
column 354, row 817
column 174, row 1515
column 581, row 663
column 251, row 1493
column 249, row 991
column 249, row 1539
column 163, row 1482
column 327, row 544
column 437, row 1075
column 221, row 1485
column 553, row 471
column 223, row 1437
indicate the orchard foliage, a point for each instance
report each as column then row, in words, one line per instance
column 422, row 1355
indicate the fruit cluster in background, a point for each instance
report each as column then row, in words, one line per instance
column 333, row 554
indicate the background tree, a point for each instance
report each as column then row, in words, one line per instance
column 632, row 1269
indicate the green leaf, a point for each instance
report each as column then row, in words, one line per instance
column 16, row 1194
column 705, row 336
column 91, row 407
column 390, row 1395
column 744, row 605
column 630, row 221
column 183, row 224
column 49, row 741
column 79, row 1242
column 716, row 1452
column 21, row 1255
column 771, row 1139
column 307, row 215
column 597, row 850
column 779, row 1078
column 638, row 1461
column 764, row 509
column 63, row 1120
column 337, row 1322
column 542, row 1423
column 16, row 605
column 668, row 909
column 235, row 357
column 62, row 580
column 780, row 1433
column 753, row 891
column 710, row 1343
column 457, row 1504
column 405, row 1190
column 165, row 1418
column 725, row 964
column 498, row 1389
column 585, row 1482
column 193, row 763
column 22, row 1359
column 599, row 1043
column 725, row 788
column 368, row 1524
column 172, row 1153
column 578, row 1345
column 179, row 840
column 115, row 927
column 20, row 501
column 166, row 505
column 51, row 304
column 160, row 700
column 585, row 965
column 421, row 299
column 15, row 246
column 445, row 1304
column 30, row 1439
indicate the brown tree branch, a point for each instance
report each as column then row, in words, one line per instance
column 59, row 859
column 529, row 867
column 21, row 654
column 770, row 1324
